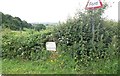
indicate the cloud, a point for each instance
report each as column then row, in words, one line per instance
column 42, row 10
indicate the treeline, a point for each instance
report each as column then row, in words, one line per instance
column 15, row 23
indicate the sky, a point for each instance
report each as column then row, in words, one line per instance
column 51, row 10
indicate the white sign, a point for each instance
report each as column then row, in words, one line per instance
column 93, row 4
column 51, row 46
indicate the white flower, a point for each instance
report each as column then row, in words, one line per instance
column 22, row 53
column 20, row 48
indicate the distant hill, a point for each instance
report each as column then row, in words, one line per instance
column 13, row 23
column 44, row 23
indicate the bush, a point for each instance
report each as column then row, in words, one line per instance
column 24, row 44
column 39, row 27
column 76, row 37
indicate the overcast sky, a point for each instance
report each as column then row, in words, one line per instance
column 50, row 10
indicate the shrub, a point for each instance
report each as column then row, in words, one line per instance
column 24, row 44
column 76, row 37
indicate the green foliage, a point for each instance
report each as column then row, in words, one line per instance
column 76, row 37
column 28, row 44
column 75, row 42
column 13, row 23
column 62, row 65
column 39, row 27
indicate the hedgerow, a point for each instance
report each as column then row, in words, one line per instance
column 76, row 37
column 28, row 44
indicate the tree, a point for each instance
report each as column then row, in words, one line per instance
column 14, row 23
column 39, row 27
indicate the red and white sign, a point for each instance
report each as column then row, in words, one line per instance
column 93, row 4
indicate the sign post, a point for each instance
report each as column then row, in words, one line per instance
column 92, row 5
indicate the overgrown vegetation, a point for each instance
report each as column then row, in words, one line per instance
column 77, row 35
column 77, row 50
column 27, row 44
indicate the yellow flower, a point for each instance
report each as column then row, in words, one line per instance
column 51, row 60
column 61, row 62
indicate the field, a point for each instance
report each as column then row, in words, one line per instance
column 58, row 67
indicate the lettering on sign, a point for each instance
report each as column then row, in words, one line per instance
column 93, row 4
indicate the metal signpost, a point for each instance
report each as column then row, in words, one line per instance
column 92, row 5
